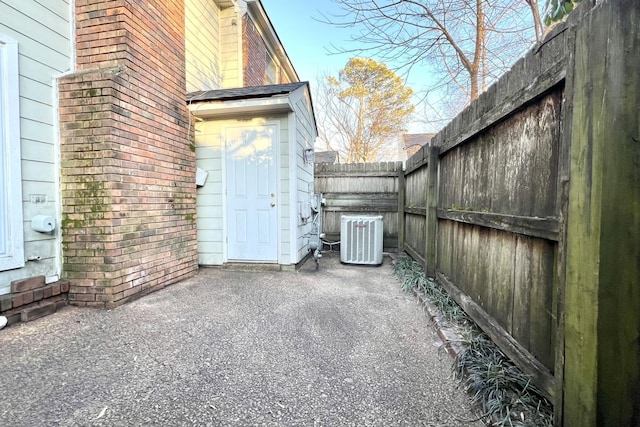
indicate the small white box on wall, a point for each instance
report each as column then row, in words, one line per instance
column 305, row 211
column 43, row 224
column 201, row 177
column 308, row 155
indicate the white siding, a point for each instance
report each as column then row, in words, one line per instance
column 209, row 200
column 231, row 48
column 305, row 138
column 210, row 197
column 287, row 205
column 43, row 32
column 202, row 28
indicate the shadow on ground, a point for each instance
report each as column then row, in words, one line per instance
column 337, row 346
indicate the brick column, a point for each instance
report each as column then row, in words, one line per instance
column 128, row 164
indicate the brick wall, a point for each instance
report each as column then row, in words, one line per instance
column 128, row 163
column 254, row 57
column 254, row 54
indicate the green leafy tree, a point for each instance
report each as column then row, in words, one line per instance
column 363, row 111
column 557, row 10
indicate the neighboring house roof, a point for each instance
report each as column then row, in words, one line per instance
column 414, row 141
column 325, row 157
column 250, row 92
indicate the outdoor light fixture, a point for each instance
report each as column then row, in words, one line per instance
column 308, row 155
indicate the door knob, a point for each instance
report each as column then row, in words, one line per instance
column 273, row 204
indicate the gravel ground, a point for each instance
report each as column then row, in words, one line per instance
column 341, row 346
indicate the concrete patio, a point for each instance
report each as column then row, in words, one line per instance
column 338, row 346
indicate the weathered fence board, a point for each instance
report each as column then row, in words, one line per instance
column 361, row 189
column 414, row 241
column 415, row 195
column 499, row 224
column 415, row 206
column 512, row 348
column 381, row 202
column 506, row 274
column 510, row 168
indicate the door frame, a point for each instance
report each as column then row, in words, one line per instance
column 250, row 123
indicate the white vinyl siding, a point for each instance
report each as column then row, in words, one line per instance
column 305, row 135
column 210, row 199
column 43, row 32
column 11, row 236
column 286, row 204
column 210, row 209
column 202, row 43
column 231, row 48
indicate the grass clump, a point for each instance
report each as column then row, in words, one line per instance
column 504, row 394
column 412, row 275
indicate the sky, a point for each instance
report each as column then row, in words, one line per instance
column 306, row 40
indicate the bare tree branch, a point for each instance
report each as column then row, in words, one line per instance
column 468, row 41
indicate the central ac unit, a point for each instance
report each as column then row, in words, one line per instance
column 361, row 239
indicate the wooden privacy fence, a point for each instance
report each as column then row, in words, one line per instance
column 361, row 189
column 526, row 208
column 497, row 216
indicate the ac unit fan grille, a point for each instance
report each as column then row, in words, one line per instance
column 361, row 240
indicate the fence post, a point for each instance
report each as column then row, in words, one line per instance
column 431, row 219
column 602, row 294
column 401, row 202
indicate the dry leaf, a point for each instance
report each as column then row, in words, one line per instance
column 104, row 411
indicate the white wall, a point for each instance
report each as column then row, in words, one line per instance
column 231, row 48
column 210, row 197
column 202, row 33
column 43, row 32
column 305, row 135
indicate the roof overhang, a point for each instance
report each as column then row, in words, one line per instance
column 235, row 107
column 251, row 101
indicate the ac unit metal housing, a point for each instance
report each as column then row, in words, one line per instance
column 361, row 239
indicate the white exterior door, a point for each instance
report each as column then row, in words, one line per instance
column 251, row 187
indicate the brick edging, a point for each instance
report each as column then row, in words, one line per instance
column 450, row 339
column 33, row 303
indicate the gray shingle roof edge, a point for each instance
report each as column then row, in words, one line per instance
column 243, row 92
